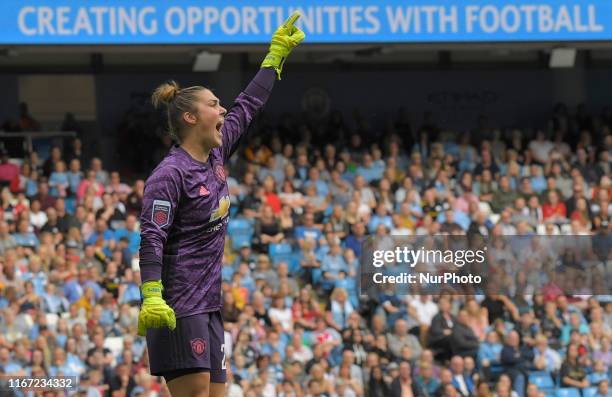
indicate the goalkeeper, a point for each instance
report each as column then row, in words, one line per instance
column 184, row 220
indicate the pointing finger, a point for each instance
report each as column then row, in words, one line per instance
column 291, row 20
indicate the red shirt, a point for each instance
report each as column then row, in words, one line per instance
column 8, row 172
column 549, row 211
column 274, row 202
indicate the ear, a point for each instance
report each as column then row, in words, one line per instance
column 190, row 118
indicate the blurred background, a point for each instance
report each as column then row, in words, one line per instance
column 392, row 118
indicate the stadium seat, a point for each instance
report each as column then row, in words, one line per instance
column 239, row 226
column 589, row 392
column 568, row 392
column 279, row 249
column 241, row 232
column 238, row 240
column 542, row 380
column 283, row 252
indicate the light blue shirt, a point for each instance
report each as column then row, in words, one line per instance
column 57, row 179
column 334, row 264
column 26, row 239
column 380, row 220
column 371, row 173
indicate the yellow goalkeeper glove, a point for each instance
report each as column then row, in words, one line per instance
column 154, row 311
column 284, row 40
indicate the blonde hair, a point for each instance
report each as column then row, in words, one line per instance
column 177, row 101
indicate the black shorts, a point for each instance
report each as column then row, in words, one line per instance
column 197, row 344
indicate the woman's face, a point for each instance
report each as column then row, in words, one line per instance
column 25, row 169
column 317, row 372
column 207, row 119
column 483, row 389
column 572, row 351
column 268, row 183
column 267, row 212
column 553, row 198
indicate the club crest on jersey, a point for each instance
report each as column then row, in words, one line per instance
column 160, row 214
column 204, row 191
column 220, row 172
column 198, row 346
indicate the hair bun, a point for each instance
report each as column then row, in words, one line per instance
column 165, row 93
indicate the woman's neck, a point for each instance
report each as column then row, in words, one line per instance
column 196, row 150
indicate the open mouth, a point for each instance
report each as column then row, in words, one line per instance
column 219, row 125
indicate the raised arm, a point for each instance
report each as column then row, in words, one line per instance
column 256, row 94
column 245, row 108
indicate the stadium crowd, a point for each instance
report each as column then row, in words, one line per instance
column 305, row 195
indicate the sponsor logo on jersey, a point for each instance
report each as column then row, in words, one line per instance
column 218, row 226
column 222, row 209
column 160, row 213
column 198, row 346
column 220, row 172
column 204, row 191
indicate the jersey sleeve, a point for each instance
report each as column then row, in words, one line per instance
column 161, row 199
column 245, row 108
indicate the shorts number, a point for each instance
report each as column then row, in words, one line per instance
column 223, row 359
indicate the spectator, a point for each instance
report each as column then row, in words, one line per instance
column 58, row 180
column 546, row 358
column 268, row 230
column 403, row 383
column 400, row 338
column 8, row 170
column 463, row 340
column 75, row 176
column 7, row 241
column 516, row 360
column 89, row 185
column 603, row 389
column 377, row 386
column 573, row 373
column 440, row 333
column 26, row 121
column 46, row 200
column 462, row 383
column 25, row 237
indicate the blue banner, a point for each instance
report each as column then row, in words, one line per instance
column 324, row 21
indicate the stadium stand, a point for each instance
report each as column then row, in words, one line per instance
column 301, row 207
